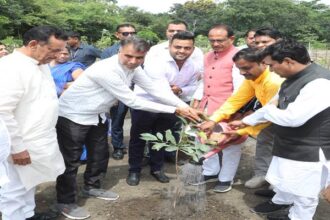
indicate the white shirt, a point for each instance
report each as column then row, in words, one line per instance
column 4, row 153
column 297, row 177
column 105, row 82
column 158, row 50
column 312, row 99
column 29, row 107
column 164, row 69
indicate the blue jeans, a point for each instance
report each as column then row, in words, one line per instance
column 118, row 113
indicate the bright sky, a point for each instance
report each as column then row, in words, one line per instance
column 154, row 6
column 157, row 6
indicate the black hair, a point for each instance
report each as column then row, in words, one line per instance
column 287, row 48
column 42, row 34
column 177, row 21
column 230, row 31
column 74, row 34
column 124, row 25
column 183, row 35
column 248, row 54
column 268, row 31
column 248, row 31
column 139, row 44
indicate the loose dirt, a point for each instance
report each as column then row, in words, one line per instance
column 151, row 200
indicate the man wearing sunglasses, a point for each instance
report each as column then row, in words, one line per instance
column 122, row 32
column 118, row 112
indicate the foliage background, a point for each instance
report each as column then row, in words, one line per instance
column 308, row 21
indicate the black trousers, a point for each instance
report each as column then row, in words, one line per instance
column 142, row 122
column 71, row 138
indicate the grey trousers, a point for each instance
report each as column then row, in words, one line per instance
column 264, row 151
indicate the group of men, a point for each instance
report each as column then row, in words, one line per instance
column 128, row 73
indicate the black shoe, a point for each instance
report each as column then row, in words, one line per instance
column 265, row 193
column 133, row 179
column 160, row 176
column 44, row 216
column 278, row 217
column 268, row 207
column 118, row 154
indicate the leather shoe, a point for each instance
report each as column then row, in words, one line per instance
column 133, row 179
column 118, row 154
column 44, row 216
column 265, row 193
column 279, row 216
column 160, row 176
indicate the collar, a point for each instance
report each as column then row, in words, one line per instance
column 125, row 69
column 32, row 60
column 222, row 53
column 263, row 76
column 303, row 72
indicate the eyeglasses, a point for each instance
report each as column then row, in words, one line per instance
column 220, row 41
column 127, row 33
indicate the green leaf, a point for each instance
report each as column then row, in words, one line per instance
column 171, row 148
column 169, row 137
column 195, row 158
column 202, row 135
column 204, row 147
column 159, row 136
column 184, row 121
column 158, row 146
column 148, row 137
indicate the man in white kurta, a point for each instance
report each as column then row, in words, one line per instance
column 300, row 166
column 28, row 107
column 4, row 153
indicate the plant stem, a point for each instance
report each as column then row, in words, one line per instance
column 176, row 163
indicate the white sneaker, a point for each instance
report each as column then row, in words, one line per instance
column 72, row 211
column 255, row 182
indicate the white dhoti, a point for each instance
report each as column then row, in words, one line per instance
column 16, row 202
column 298, row 183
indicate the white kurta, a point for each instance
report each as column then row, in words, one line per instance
column 4, row 153
column 297, row 177
column 29, row 108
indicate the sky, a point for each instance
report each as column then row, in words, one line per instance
column 157, row 6
column 154, row 6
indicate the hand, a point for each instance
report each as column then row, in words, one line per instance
column 235, row 125
column 176, row 89
column 189, row 113
column 227, row 137
column 207, row 127
column 21, row 158
column 326, row 193
column 195, row 104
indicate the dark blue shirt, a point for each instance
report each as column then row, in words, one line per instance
column 85, row 54
column 110, row 51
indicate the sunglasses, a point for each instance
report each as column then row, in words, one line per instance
column 127, row 33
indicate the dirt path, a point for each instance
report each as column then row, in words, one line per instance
column 148, row 200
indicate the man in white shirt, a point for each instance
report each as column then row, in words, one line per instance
column 301, row 118
column 181, row 74
column 29, row 108
column 174, row 27
column 82, row 119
